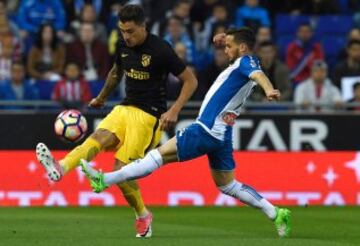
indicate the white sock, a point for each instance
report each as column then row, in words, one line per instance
column 249, row 196
column 137, row 169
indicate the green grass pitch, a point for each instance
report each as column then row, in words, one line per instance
column 176, row 226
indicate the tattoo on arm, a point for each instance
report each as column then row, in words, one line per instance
column 111, row 82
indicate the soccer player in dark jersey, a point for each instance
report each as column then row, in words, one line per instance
column 133, row 127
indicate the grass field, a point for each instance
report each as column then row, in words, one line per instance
column 176, row 226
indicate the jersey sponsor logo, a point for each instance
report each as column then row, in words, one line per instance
column 139, row 75
column 229, row 118
column 145, row 60
column 124, row 55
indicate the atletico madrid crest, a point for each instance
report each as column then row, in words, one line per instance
column 145, row 60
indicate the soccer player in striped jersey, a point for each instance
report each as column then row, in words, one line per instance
column 211, row 134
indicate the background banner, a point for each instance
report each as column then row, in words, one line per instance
column 301, row 178
column 280, row 132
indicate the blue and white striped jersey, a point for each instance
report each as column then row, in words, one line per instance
column 225, row 98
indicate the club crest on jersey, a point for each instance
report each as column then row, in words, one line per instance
column 145, row 60
column 229, row 118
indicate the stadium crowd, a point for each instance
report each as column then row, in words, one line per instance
column 62, row 49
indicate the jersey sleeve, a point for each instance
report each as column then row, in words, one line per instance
column 248, row 65
column 172, row 62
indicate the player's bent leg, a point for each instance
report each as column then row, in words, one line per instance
column 52, row 166
column 99, row 140
column 152, row 161
column 131, row 192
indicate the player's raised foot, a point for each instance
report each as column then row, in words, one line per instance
column 283, row 222
column 95, row 178
column 143, row 226
column 52, row 166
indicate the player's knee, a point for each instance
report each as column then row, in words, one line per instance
column 106, row 139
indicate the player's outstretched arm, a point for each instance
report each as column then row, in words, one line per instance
column 190, row 82
column 260, row 78
column 111, row 82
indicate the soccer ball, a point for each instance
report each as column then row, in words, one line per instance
column 70, row 126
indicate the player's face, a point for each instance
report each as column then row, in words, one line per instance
column 133, row 34
column 232, row 49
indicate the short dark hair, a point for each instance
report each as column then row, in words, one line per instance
column 75, row 63
column 243, row 35
column 132, row 12
column 179, row 2
column 356, row 85
column 352, row 42
column 304, row 24
column 267, row 43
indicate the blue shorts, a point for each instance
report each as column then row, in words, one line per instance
column 194, row 141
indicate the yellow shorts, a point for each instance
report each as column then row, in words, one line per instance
column 137, row 131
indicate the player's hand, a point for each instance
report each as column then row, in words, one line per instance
column 273, row 95
column 97, row 103
column 168, row 119
column 219, row 39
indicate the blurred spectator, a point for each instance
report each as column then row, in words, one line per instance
column 47, row 56
column 173, row 84
column 211, row 72
column 73, row 7
column 181, row 10
column 181, row 52
column 219, row 17
column 202, row 9
column 356, row 98
column 10, row 47
column 302, row 52
column 17, row 88
column 12, row 7
column 263, row 34
column 176, row 33
column 88, row 14
column 318, row 89
column 354, row 34
column 111, row 17
column 7, row 23
column 91, row 54
column 113, row 42
column 6, row 59
column 349, row 67
column 252, row 15
column 72, row 89
column 277, row 72
column 34, row 13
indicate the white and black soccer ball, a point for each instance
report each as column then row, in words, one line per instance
column 70, row 126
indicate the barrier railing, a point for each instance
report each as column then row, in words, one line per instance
column 249, row 106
